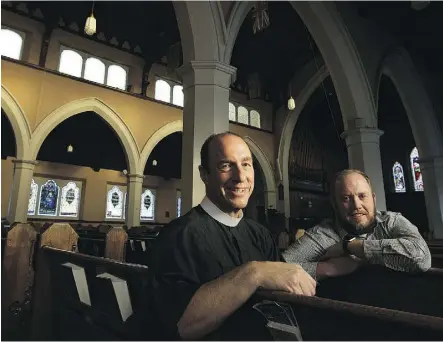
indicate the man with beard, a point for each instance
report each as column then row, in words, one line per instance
column 207, row 264
column 359, row 234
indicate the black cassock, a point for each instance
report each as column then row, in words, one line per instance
column 195, row 249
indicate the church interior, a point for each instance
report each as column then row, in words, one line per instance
column 105, row 106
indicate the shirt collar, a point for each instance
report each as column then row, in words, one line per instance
column 218, row 215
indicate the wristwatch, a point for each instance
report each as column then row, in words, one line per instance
column 346, row 239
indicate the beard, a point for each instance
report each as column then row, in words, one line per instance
column 356, row 228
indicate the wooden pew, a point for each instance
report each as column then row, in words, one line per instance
column 103, row 241
column 92, row 298
column 382, row 287
column 140, row 243
column 323, row 319
column 18, row 272
column 436, row 248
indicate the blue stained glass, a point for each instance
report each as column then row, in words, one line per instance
column 48, row 199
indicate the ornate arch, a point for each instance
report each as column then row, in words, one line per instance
column 162, row 132
column 399, row 67
column 337, row 48
column 19, row 123
column 84, row 105
column 271, row 198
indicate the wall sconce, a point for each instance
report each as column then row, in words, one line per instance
column 70, row 148
column 124, row 173
column 154, row 162
column 291, row 103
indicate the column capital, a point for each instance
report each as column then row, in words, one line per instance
column 207, row 73
column 135, row 177
column 22, row 161
column 362, row 135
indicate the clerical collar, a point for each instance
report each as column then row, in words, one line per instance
column 218, row 215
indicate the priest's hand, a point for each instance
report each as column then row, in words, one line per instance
column 285, row 277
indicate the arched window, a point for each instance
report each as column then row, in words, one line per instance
column 231, row 112
column 71, row 63
column 70, row 200
column 162, row 91
column 255, row 118
column 114, row 203
column 116, row 77
column 242, row 115
column 94, row 70
column 147, row 208
column 399, row 177
column 48, row 199
column 12, row 44
column 416, row 172
column 177, row 95
column 32, row 198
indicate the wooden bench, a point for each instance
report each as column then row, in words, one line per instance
column 323, row 319
column 90, row 298
column 382, row 287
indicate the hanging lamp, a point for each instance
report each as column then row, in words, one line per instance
column 91, row 23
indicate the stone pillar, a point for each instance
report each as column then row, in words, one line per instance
column 20, row 190
column 432, row 172
column 133, row 200
column 364, row 154
column 206, row 111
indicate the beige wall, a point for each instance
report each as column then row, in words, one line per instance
column 94, row 190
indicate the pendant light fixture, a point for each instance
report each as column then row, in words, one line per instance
column 70, row 148
column 291, row 101
column 91, row 23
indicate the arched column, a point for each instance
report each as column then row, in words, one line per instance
column 19, row 123
column 21, row 185
column 399, row 67
column 84, row 105
column 288, row 129
column 160, row 134
column 270, row 190
column 135, row 185
column 338, row 50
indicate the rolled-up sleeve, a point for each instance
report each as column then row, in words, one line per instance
column 403, row 250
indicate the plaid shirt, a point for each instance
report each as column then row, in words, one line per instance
column 395, row 243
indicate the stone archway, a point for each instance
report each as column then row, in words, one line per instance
column 337, row 48
column 400, row 69
column 100, row 108
column 19, row 124
column 161, row 133
column 270, row 187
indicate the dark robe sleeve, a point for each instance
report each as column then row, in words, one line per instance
column 174, row 279
column 271, row 250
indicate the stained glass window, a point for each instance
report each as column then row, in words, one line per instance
column 255, row 118
column 94, row 70
column 231, row 112
column 179, row 206
column 177, row 95
column 399, row 177
column 147, row 208
column 48, row 199
column 242, row 115
column 32, row 198
column 162, row 91
column 116, row 77
column 70, row 200
column 114, row 203
column 12, row 44
column 416, row 172
column 71, row 63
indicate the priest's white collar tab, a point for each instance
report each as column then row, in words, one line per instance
column 219, row 215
